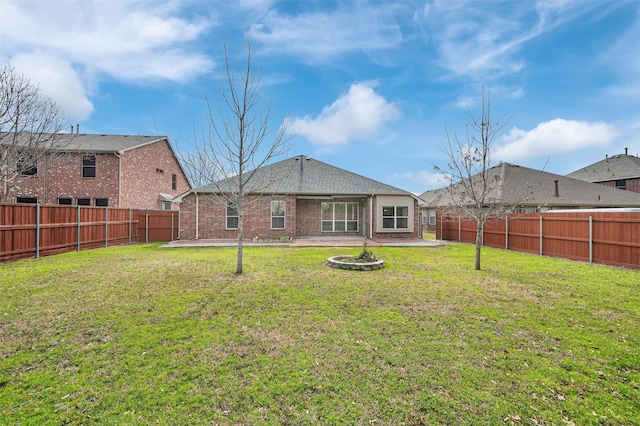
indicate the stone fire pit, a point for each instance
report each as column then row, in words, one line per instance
column 353, row 263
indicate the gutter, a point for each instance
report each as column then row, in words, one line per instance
column 197, row 216
column 371, row 217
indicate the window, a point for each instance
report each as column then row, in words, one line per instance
column 64, row 201
column 27, row 166
column 395, row 217
column 174, row 181
column 621, row 184
column 101, row 202
column 432, row 217
column 83, row 201
column 159, row 170
column 339, row 217
column 27, row 200
column 277, row 214
column 232, row 215
column 89, row 166
column 166, row 205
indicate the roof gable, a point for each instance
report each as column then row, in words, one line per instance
column 302, row 175
column 517, row 185
column 611, row 168
column 73, row 142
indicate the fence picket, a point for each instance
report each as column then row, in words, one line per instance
column 608, row 237
column 38, row 230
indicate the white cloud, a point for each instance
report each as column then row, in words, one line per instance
column 553, row 137
column 57, row 80
column 320, row 35
column 356, row 114
column 84, row 41
column 423, row 179
column 483, row 40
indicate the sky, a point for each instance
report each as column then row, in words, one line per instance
column 372, row 87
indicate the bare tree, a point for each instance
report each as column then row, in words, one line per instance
column 30, row 129
column 236, row 143
column 470, row 183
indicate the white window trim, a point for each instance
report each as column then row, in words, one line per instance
column 346, row 221
column 229, row 205
column 283, row 216
column 395, row 218
column 432, row 216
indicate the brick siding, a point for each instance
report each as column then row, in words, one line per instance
column 303, row 218
column 633, row 185
column 142, row 180
column 61, row 177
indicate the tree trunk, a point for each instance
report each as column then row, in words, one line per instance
column 240, row 245
column 479, row 242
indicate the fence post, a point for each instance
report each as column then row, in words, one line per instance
column 590, row 239
column 106, row 226
column 540, row 235
column 78, row 242
column 171, row 226
column 506, row 232
column 146, row 228
column 459, row 229
column 37, row 253
column 130, row 218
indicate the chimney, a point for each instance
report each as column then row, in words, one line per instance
column 72, row 129
column 77, row 129
column 626, row 151
column 557, row 192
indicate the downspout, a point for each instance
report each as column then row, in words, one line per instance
column 117, row 154
column 197, row 216
column 371, row 218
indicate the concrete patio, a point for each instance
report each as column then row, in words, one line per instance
column 310, row 242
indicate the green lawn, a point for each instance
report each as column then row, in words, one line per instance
column 143, row 335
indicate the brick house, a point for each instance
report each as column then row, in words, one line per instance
column 620, row 171
column 528, row 190
column 106, row 170
column 306, row 198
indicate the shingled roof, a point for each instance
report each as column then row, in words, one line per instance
column 302, row 175
column 522, row 186
column 99, row 143
column 611, row 168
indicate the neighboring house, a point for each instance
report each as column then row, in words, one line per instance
column 302, row 197
column 530, row 190
column 106, row 170
column 619, row 171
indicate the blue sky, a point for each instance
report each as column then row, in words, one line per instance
column 368, row 86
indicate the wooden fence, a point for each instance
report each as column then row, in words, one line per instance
column 610, row 238
column 31, row 230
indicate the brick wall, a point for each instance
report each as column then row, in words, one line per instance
column 303, row 218
column 212, row 218
column 146, row 172
column 633, row 185
column 60, row 176
column 310, row 216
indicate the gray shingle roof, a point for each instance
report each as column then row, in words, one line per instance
column 302, row 175
column 611, row 168
column 110, row 143
column 104, row 143
column 529, row 187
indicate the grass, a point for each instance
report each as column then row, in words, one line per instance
column 142, row 335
